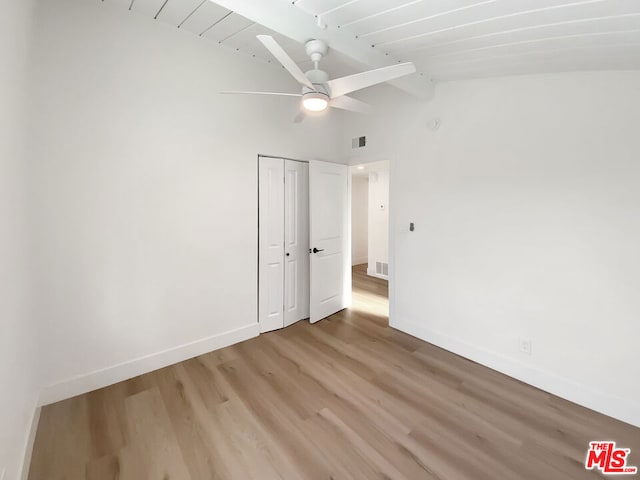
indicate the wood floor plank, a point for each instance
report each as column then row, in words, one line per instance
column 154, row 452
column 345, row 398
column 104, row 468
column 191, row 422
column 275, row 417
column 63, row 443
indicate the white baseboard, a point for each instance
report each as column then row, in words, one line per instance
column 117, row 373
column 28, row 450
column 621, row 409
column 372, row 273
column 359, row 261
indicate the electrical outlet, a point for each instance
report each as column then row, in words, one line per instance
column 524, row 345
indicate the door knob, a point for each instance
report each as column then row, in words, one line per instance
column 316, row 250
column 287, row 254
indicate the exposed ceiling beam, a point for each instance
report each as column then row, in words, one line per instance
column 285, row 18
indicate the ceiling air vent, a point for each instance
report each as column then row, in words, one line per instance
column 358, row 142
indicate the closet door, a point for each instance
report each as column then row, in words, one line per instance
column 271, row 244
column 296, row 241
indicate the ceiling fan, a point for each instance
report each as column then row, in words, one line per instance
column 318, row 92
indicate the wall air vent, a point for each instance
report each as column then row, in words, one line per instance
column 382, row 268
column 358, row 142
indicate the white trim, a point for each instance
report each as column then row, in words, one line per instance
column 621, row 409
column 359, row 261
column 132, row 368
column 28, row 449
column 393, row 229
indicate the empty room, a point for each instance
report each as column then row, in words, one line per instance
column 319, row 239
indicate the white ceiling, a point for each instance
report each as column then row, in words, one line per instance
column 210, row 21
column 451, row 39
column 363, row 170
column 446, row 39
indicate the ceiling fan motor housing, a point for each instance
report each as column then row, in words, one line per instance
column 316, row 49
column 319, row 78
column 318, row 98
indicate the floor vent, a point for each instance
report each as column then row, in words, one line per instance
column 382, row 268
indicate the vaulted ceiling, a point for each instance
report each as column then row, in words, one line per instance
column 450, row 39
column 215, row 23
column 446, row 39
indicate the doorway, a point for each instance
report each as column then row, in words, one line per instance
column 370, row 238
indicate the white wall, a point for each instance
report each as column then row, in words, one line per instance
column 18, row 376
column 378, row 217
column 359, row 219
column 527, row 213
column 146, row 190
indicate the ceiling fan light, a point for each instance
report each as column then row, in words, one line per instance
column 315, row 102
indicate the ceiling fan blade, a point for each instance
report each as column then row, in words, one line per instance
column 286, row 61
column 349, row 103
column 261, row 93
column 351, row 83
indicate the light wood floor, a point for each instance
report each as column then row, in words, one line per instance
column 346, row 398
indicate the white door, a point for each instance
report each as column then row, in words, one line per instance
column 271, row 244
column 329, row 239
column 296, row 241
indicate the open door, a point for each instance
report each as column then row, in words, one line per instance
column 329, row 239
